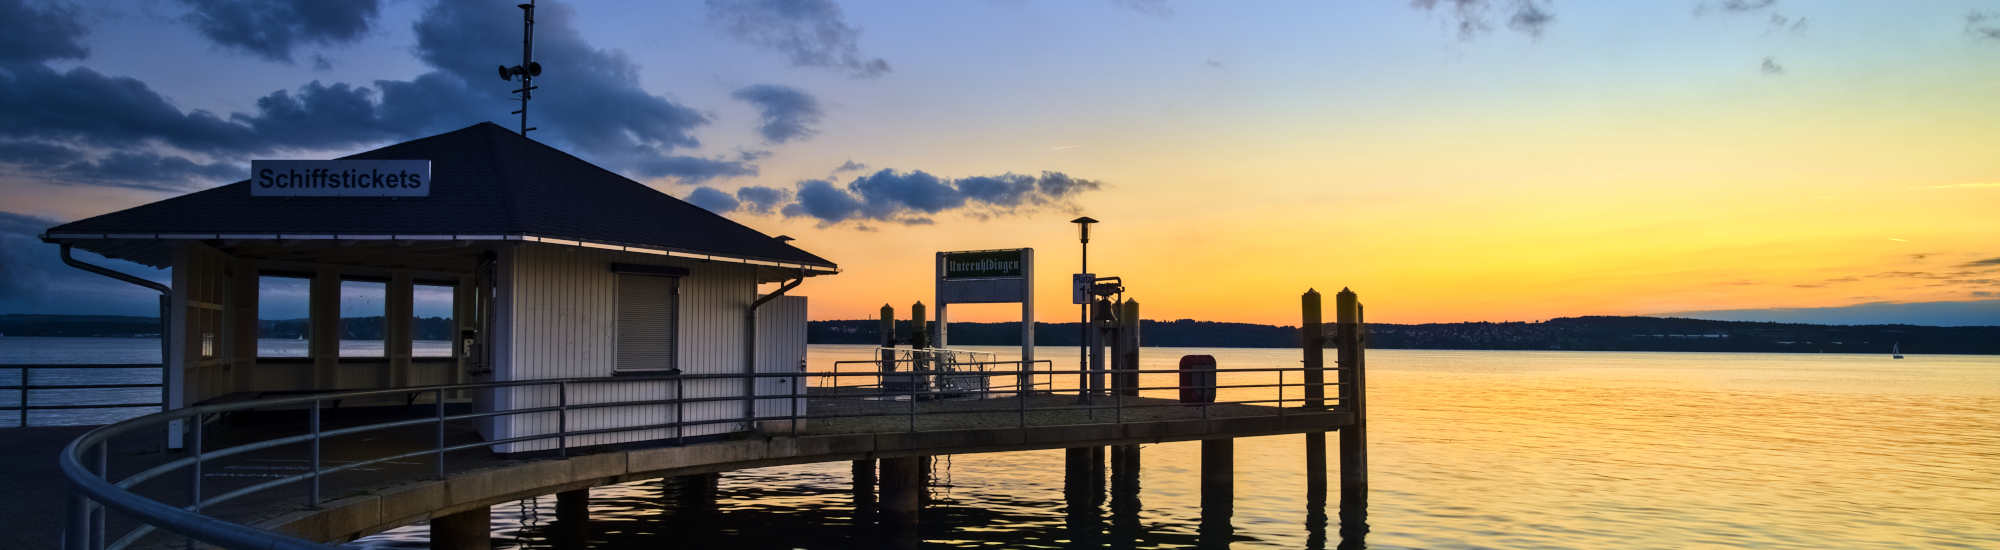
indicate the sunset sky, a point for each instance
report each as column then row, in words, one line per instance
column 1452, row 160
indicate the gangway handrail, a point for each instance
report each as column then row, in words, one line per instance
column 94, row 490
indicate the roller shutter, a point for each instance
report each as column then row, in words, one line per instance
column 648, row 311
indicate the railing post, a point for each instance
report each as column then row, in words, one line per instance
column 562, row 419
column 103, row 471
column 680, row 419
column 194, row 487
column 440, row 434
column 312, row 423
column 1022, row 394
column 76, row 535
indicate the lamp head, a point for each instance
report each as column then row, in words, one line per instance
column 1083, row 228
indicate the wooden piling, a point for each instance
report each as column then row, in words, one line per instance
column 888, row 338
column 1312, row 337
column 1353, row 338
column 467, row 530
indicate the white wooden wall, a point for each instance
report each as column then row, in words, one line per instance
column 781, row 348
column 556, row 316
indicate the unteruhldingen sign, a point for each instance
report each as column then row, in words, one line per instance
column 340, row 178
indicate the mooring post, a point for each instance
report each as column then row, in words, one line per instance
column 467, row 530
column 900, row 487
column 1126, row 380
column 1312, row 338
column 1354, row 400
column 572, row 518
column 1218, row 490
column 887, row 353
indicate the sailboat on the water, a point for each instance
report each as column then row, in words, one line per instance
column 1896, row 350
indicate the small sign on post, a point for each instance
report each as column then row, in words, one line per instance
column 1079, row 285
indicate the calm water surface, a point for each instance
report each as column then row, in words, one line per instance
column 1468, row 449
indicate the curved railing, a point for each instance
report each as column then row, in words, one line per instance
column 85, row 461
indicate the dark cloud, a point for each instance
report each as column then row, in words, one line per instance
column 89, row 108
column 761, row 199
column 714, row 200
column 1473, row 17
column 1781, row 22
column 787, row 113
column 589, row 103
column 1983, row 24
column 271, row 29
column 1771, row 67
column 691, row 169
column 1989, row 262
column 40, row 33
column 849, row 166
column 813, row 33
column 588, row 97
column 33, row 278
column 1745, row 5
column 820, row 199
column 916, row 197
column 134, row 169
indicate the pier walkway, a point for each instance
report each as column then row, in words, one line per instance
column 379, row 467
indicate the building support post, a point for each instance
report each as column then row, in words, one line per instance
column 1353, row 338
column 467, row 530
column 1218, row 490
column 900, row 487
column 323, row 312
column 572, row 518
column 399, row 311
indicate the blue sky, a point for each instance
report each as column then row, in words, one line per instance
column 1557, row 158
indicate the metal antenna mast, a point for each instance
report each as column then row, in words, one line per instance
column 528, row 69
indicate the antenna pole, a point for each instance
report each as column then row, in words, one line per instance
column 527, row 60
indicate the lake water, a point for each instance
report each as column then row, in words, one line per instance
column 1471, row 449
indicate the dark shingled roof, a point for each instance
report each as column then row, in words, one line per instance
column 485, row 180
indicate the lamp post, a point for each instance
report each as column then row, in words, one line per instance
column 1083, row 342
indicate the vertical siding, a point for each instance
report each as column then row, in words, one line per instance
column 560, row 316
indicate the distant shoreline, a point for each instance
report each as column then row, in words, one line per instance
column 1561, row 334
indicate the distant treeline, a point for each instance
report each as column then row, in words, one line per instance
column 1567, row 333
column 352, row 328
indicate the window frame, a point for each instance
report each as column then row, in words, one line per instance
column 674, row 275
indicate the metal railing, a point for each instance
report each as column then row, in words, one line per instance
column 25, row 391
column 84, row 461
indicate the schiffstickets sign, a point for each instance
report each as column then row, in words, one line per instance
column 991, row 264
column 340, row 178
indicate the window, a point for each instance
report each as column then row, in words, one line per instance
column 284, row 327
column 361, row 314
column 648, row 318
column 431, row 327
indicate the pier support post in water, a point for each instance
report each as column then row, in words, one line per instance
column 900, row 487
column 1312, row 337
column 1125, row 492
column 1083, row 474
column 572, row 518
column 467, row 530
column 1353, row 340
column 1218, row 491
column 864, row 480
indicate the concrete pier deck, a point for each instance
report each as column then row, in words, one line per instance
column 387, row 495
